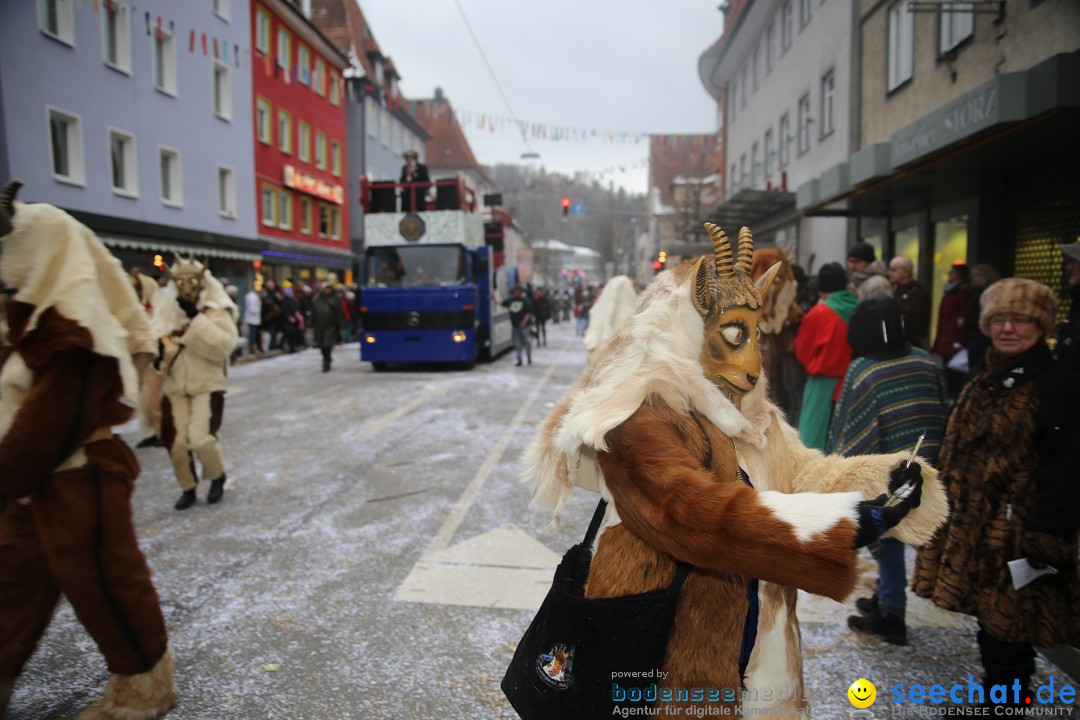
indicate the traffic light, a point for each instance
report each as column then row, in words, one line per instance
column 565, row 206
column 660, row 261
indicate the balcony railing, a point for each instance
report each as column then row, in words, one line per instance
column 387, row 196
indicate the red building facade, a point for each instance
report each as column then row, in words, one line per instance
column 299, row 134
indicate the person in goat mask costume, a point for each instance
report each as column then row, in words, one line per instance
column 671, row 423
column 69, row 326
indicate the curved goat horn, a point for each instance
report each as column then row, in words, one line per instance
column 7, row 205
column 721, row 248
column 745, row 260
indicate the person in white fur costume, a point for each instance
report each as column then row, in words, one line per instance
column 196, row 321
column 671, row 422
column 69, row 326
column 614, row 306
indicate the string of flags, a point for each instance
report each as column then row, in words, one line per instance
column 490, row 122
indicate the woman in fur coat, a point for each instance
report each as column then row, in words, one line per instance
column 1009, row 462
column 671, row 422
column 67, row 330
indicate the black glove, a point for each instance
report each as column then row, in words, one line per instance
column 187, row 306
column 875, row 518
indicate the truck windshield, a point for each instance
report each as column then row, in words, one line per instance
column 416, row 266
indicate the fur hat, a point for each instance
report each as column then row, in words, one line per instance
column 832, row 278
column 1018, row 295
column 863, row 251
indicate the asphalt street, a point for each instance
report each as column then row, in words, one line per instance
column 376, row 557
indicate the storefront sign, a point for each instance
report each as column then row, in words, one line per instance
column 1001, row 100
column 313, row 186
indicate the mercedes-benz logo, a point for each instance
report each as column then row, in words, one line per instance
column 414, row 319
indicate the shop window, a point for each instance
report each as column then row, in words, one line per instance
column 950, row 247
column 906, row 243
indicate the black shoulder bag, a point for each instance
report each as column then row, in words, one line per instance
column 565, row 665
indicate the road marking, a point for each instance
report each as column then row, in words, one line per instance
column 457, row 514
column 377, row 426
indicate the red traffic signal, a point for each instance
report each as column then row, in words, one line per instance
column 565, row 206
column 657, row 265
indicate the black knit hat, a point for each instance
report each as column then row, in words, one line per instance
column 863, row 251
column 832, row 278
column 876, row 328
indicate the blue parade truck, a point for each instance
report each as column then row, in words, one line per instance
column 428, row 277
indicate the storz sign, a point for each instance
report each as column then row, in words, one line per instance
column 1001, row 100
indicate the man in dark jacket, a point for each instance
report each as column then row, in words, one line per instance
column 413, row 171
column 1068, row 331
column 327, row 319
column 913, row 299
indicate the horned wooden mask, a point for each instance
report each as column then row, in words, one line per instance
column 187, row 273
column 729, row 302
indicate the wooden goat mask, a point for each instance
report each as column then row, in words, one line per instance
column 187, row 274
column 730, row 304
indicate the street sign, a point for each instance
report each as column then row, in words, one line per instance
column 579, row 209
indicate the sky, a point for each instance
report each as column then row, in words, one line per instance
column 622, row 68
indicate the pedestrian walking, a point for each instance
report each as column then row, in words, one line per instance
column 869, row 276
column 521, row 313
column 582, row 309
column 328, row 321
column 253, row 319
column 542, row 308
column 1009, row 460
column 822, row 348
column 892, row 393
column 271, row 314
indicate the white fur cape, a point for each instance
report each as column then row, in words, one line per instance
column 614, row 307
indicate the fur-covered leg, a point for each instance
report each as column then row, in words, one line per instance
column 137, row 697
column 7, row 686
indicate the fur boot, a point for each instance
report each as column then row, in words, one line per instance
column 137, row 697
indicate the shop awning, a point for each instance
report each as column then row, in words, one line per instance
column 154, row 245
column 749, row 206
column 290, row 251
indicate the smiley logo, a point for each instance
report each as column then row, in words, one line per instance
column 862, row 693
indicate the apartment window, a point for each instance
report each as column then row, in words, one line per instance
column 262, row 121
column 901, row 45
column 757, row 67
column 733, row 99
column 755, row 166
column 262, row 31
column 284, row 209
column 319, row 78
column 787, row 19
column 335, row 89
column 284, row 131
column 320, row 150
column 164, row 62
column 222, row 91
column 804, row 123
column 303, row 65
column 957, row 25
column 384, row 127
column 828, row 99
column 372, row 118
column 305, row 215
column 65, row 139
column 303, row 140
column 804, row 13
column 335, row 158
column 742, row 85
column 329, row 222
column 226, row 191
column 116, row 35
column 784, row 140
column 57, row 20
column 770, row 47
column 284, row 52
column 122, row 161
column 769, row 152
column 171, row 187
column 221, row 9
column 269, row 205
